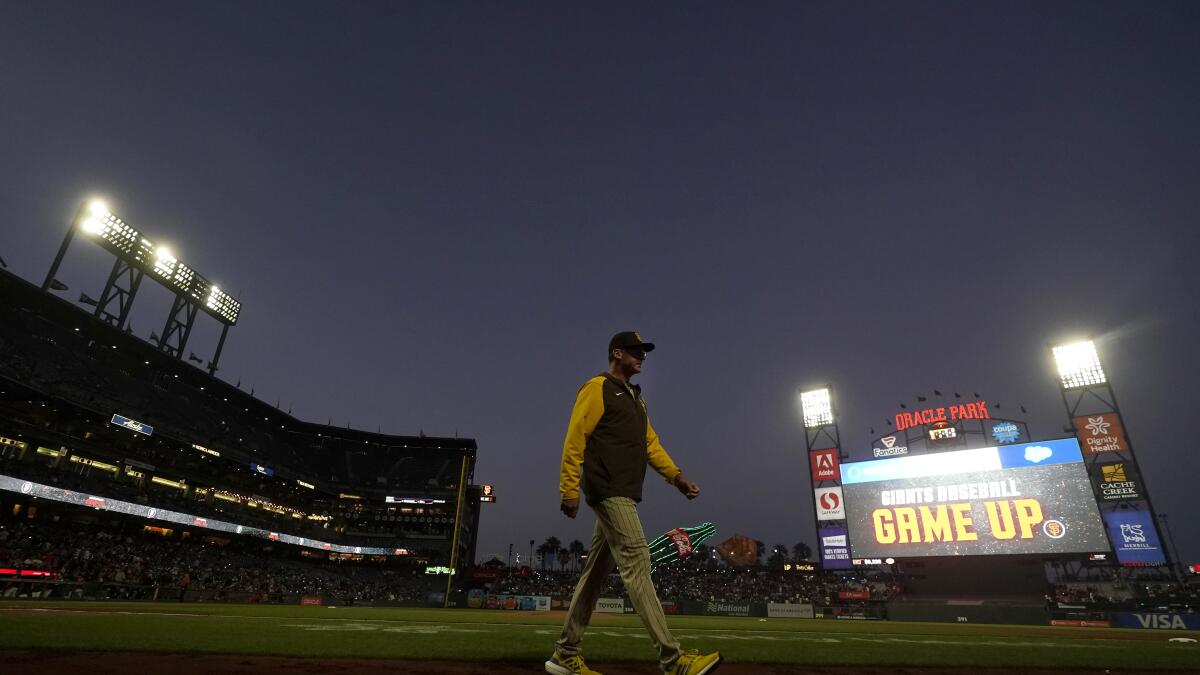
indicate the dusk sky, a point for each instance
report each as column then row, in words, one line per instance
column 436, row 214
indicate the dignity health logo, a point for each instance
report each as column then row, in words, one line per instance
column 1097, row 426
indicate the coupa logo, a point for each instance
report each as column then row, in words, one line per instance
column 1006, row 432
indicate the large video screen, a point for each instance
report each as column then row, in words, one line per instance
column 1025, row 498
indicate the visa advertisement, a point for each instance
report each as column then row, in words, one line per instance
column 1134, row 538
column 1011, row 499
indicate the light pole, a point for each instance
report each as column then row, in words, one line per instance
column 1177, row 568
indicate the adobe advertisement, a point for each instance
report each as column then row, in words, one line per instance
column 824, row 464
column 1012, row 499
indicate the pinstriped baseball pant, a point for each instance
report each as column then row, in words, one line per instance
column 618, row 539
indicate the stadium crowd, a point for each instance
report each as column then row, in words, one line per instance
column 709, row 583
column 116, row 562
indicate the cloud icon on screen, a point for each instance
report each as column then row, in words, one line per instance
column 1036, row 453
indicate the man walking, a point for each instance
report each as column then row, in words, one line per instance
column 609, row 443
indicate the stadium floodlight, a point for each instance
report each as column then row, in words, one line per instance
column 127, row 243
column 817, row 406
column 1078, row 364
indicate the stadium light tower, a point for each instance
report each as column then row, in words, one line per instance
column 1096, row 419
column 135, row 257
column 817, row 407
column 823, row 453
column 1078, row 365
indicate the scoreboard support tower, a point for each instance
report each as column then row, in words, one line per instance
column 1091, row 405
column 821, row 433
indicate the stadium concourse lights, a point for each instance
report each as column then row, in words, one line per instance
column 1078, row 364
column 817, row 406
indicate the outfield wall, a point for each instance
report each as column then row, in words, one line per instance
column 968, row 612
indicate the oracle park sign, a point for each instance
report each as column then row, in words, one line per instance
column 976, row 410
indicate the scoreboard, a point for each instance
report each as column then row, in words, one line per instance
column 1012, row 499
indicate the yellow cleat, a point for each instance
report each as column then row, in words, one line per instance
column 692, row 662
column 569, row 665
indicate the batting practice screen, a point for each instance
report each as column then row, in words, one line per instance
column 1024, row 498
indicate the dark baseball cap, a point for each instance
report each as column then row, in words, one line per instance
column 627, row 339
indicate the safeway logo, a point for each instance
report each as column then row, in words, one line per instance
column 825, row 464
column 829, row 504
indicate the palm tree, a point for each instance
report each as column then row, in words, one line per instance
column 564, row 556
column 549, row 549
column 778, row 557
column 577, row 549
column 801, row 551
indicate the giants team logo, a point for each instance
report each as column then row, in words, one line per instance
column 829, row 504
column 825, row 464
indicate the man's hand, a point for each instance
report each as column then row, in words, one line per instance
column 570, row 507
column 687, row 487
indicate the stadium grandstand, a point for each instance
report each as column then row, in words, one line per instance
column 100, row 429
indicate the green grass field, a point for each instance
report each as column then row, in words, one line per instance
column 484, row 636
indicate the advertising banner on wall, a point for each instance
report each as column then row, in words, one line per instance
column 1017, row 499
column 1117, row 481
column 779, row 610
column 1158, row 620
column 611, row 605
column 835, row 548
column 1101, row 433
column 1134, row 538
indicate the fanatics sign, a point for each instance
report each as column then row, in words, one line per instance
column 890, row 448
column 825, row 464
column 1101, row 433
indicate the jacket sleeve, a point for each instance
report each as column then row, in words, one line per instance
column 657, row 455
column 589, row 407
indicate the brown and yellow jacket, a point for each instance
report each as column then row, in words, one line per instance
column 610, row 438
